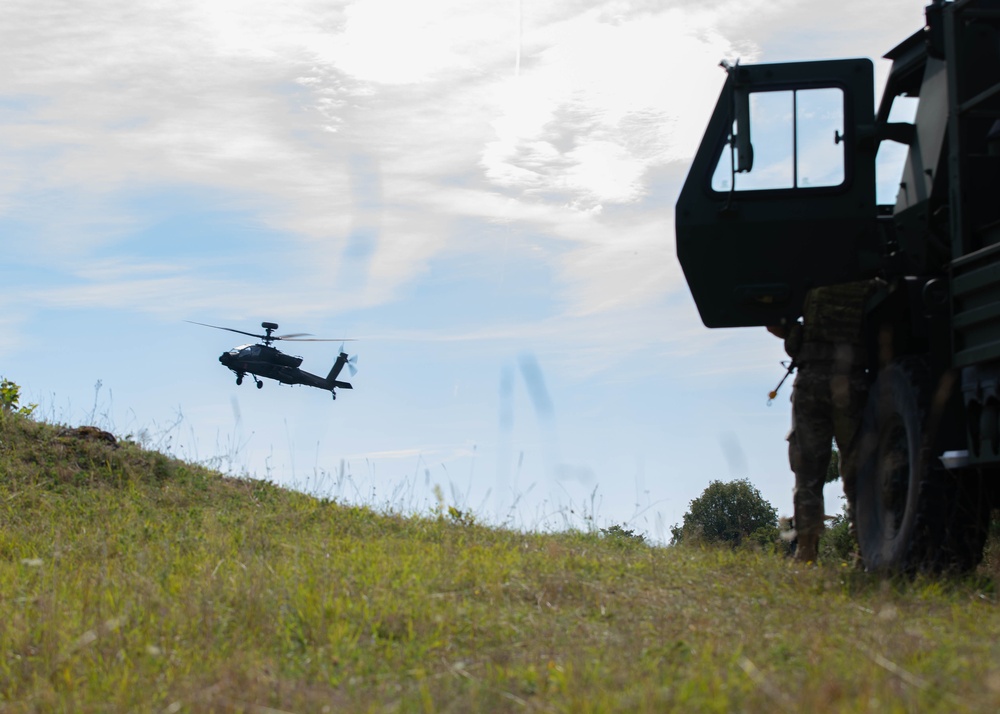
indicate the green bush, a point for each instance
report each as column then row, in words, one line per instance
column 837, row 541
column 731, row 513
column 767, row 537
column 10, row 396
column 622, row 537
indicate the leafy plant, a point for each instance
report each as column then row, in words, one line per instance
column 833, row 468
column 837, row 543
column 10, row 396
column 462, row 518
column 132, row 581
column 728, row 513
column 623, row 537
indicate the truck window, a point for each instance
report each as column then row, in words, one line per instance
column 796, row 142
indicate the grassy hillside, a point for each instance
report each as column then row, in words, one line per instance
column 133, row 582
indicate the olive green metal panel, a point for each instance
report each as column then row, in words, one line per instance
column 751, row 242
column 976, row 307
column 971, row 41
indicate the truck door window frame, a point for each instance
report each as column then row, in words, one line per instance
column 785, row 163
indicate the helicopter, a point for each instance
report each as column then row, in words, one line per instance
column 263, row 360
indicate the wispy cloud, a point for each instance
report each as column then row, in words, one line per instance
column 365, row 136
column 595, row 110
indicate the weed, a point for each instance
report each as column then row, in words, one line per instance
column 10, row 396
column 462, row 518
column 132, row 581
column 837, row 543
column 623, row 537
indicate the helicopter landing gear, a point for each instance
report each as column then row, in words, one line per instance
column 239, row 379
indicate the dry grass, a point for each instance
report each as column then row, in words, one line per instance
column 134, row 582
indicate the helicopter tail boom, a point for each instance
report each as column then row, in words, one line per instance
column 335, row 371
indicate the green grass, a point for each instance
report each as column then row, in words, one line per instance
column 130, row 581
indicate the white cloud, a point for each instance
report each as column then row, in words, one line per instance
column 396, row 42
column 605, row 170
column 366, row 133
column 605, row 101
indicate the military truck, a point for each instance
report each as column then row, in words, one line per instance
column 781, row 197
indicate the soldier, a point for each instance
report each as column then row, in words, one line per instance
column 828, row 399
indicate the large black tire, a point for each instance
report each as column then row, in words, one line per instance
column 912, row 514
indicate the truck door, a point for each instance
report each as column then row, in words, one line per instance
column 780, row 196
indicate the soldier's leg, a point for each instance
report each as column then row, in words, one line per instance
column 849, row 394
column 808, row 493
column 809, row 449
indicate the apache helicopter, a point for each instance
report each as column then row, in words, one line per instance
column 263, row 360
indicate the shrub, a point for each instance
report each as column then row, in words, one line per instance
column 730, row 513
column 622, row 537
column 837, row 541
column 10, row 396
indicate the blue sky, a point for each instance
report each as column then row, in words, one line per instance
column 479, row 193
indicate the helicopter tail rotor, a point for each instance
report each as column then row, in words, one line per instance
column 343, row 360
column 351, row 363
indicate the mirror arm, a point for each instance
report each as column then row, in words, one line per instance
column 744, row 149
column 740, row 111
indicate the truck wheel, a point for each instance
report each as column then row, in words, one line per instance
column 912, row 514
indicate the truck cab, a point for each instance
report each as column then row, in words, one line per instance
column 781, row 197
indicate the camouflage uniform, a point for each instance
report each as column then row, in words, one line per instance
column 828, row 399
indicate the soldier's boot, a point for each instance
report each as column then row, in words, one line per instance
column 807, row 548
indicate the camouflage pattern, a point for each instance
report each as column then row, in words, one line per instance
column 828, row 397
column 827, row 404
column 834, row 314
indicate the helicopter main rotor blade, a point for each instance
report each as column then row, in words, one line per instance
column 230, row 329
column 292, row 337
column 315, row 339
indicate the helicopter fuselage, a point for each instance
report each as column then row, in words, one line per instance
column 263, row 360
column 266, row 361
column 258, row 355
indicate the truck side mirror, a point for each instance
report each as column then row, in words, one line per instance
column 741, row 111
